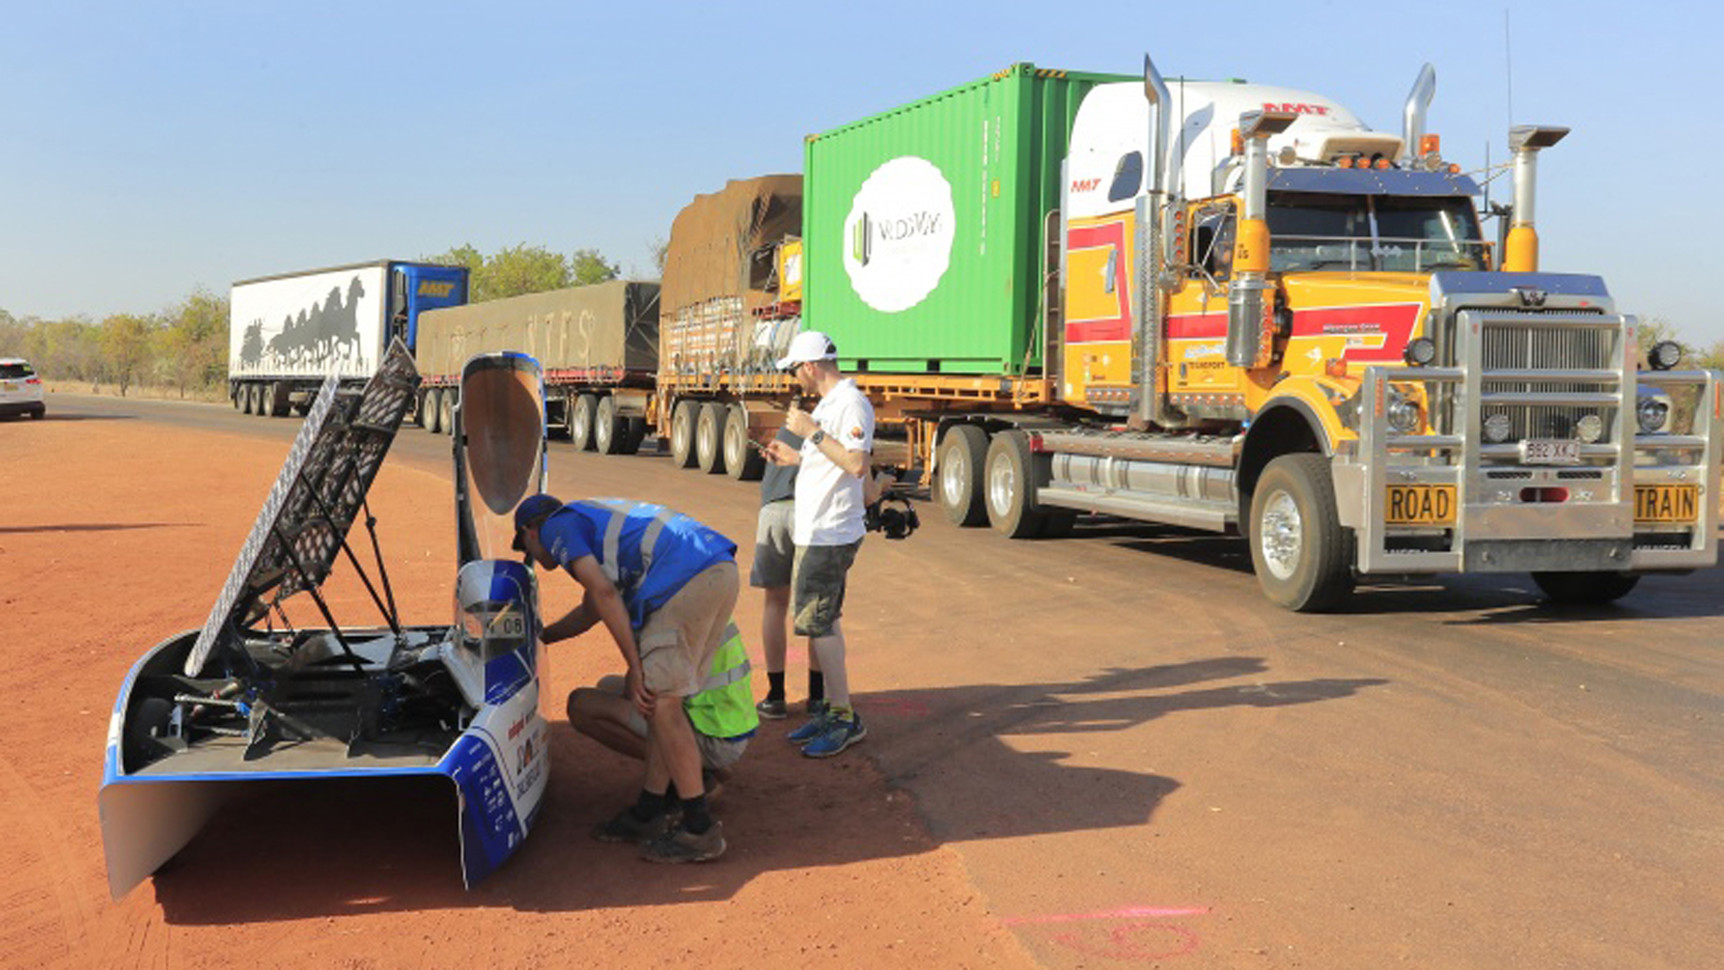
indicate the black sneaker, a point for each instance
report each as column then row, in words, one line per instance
column 681, row 845
column 773, row 709
column 626, row 828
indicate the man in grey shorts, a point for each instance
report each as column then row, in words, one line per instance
column 774, row 557
column 831, row 486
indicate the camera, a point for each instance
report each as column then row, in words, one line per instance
column 892, row 515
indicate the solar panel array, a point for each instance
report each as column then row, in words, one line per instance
column 315, row 500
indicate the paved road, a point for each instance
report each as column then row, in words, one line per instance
column 1142, row 762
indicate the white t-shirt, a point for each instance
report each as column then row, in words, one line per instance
column 828, row 498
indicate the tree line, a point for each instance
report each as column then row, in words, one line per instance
column 184, row 347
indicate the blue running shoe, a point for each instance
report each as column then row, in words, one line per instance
column 841, row 732
column 811, row 729
column 817, row 706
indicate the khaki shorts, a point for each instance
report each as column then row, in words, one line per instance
column 818, row 583
column 678, row 640
column 715, row 753
column 774, row 552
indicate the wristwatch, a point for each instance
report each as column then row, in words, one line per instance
column 818, row 436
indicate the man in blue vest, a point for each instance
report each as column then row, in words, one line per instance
column 664, row 587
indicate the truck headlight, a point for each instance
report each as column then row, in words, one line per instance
column 1653, row 411
column 1402, row 411
column 1664, row 355
column 1498, row 427
column 1589, row 428
column 1420, row 352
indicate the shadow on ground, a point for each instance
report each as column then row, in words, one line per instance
column 941, row 765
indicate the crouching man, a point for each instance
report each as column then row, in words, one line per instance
column 664, row 587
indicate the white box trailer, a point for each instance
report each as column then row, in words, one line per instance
column 287, row 333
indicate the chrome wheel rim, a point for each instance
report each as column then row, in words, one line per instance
column 1002, row 486
column 954, row 479
column 1281, row 535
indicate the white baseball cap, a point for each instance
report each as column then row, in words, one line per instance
column 806, row 347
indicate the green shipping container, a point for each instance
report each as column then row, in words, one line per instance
column 924, row 228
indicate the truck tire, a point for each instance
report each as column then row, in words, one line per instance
column 962, row 455
column 260, row 400
column 237, row 395
column 610, row 429
column 742, row 460
column 242, row 398
column 1298, row 547
column 583, row 410
column 682, row 422
column 279, row 406
column 1599, row 588
column 1011, row 476
column 709, row 438
column 431, row 411
column 446, row 409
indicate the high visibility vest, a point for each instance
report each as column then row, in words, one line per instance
column 724, row 705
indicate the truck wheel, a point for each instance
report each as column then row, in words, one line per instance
column 242, row 398
column 446, row 410
column 279, row 406
column 1566, row 588
column 709, row 438
column 1010, row 480
column 237, row 396
column 260, row 400
column 963, row 453
column 744, row 462
column 610, row 430
column 1298, row 547
column 431, row 411
column 582, row 411
column 636, row 433
column 682, row 421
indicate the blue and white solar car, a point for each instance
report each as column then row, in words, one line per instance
column 249, row 697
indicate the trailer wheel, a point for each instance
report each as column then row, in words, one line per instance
column 610, row 429
column 1600, row 588
column 260, row 400
column 582, row 411
column 431, row 411
column 279, row 404
column 1298, row 547
column 682, row 422
column 963, row 453
column 709, row 438
column 1011, row 478
column 742, row 461
column 446, row 410
column 242, row 398
column 237, row 396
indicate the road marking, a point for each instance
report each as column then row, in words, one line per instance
column 1129, row 912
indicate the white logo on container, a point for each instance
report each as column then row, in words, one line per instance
column 898, row 237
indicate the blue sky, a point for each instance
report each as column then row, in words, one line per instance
column 153, row 147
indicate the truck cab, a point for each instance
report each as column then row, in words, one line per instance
column 1301, row 331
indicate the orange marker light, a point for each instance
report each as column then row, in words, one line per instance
column 1429, row 144
column 1345, row 161
column 1237, row 142
column 1382, row 163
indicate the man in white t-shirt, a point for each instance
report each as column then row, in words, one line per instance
column 837, row 440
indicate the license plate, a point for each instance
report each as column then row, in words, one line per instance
column 1666, row 503
column 1549, row 451
column 11, row 386
column 1421, row 505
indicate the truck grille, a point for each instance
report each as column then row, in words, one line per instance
column 1548, row 348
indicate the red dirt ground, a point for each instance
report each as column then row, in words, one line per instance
column 112, row 540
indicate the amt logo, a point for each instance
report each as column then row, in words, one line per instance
column 434, row 288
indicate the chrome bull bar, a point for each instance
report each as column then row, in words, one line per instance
column 1509, row 513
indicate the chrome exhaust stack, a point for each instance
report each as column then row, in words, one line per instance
column 1154, row 212
column 1413, row 115
column 1520, row 251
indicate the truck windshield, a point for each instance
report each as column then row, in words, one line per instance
column 1311, row 231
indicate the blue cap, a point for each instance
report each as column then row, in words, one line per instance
column 531, row 512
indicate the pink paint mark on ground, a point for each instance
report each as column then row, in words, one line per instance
column 897, row 707
column 1129, row 912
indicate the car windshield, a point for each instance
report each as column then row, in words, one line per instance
column 16, row 371
column 1310, row 231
